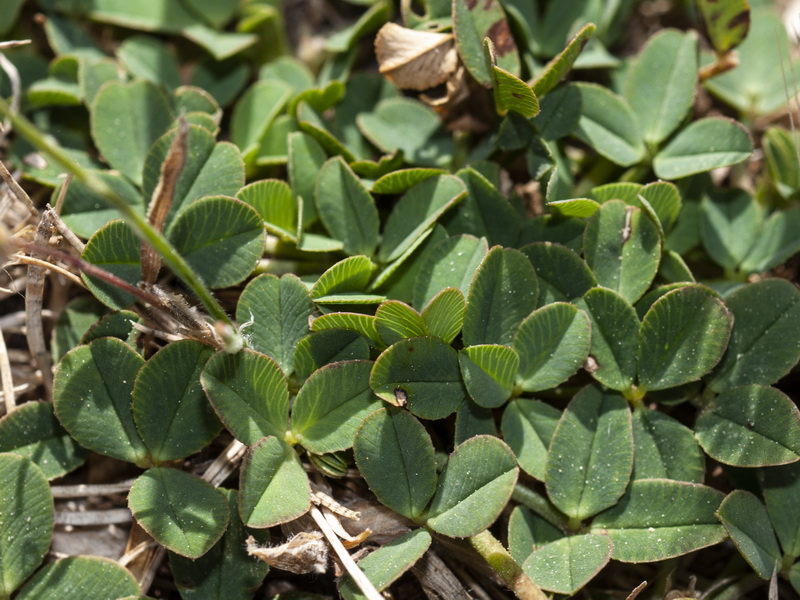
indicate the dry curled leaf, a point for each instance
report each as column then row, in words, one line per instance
column 306, row 552
column 320, row 498
column 332, row 510
column 415, row 60
column 456, row 90
column 348, row 541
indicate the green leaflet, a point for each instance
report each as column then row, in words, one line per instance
column 502, row 294
column 395, row 454
column 591, row 454
column 657, row 519
column 181, row 511
column 26, row 522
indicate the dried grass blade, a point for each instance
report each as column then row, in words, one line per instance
column 9, row 398
column 163, row 197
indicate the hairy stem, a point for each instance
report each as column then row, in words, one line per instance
column 506, row 567
column 137, row 222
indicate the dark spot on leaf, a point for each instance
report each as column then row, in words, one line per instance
column 188, row 584
column 517, row 95
column 400, row 396
column 743, row 18
column 501, row 37
column 488, row 4
column 471, row 4
column 411, row 348
column 751, row 425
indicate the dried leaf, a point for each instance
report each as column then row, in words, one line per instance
column 306, row 552
column 456, row 90
column 321, row 498
column 415, row 60
column 348, row 541
column 163, row 196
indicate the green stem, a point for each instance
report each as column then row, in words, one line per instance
column 635, row 174
column 635, row 395
column 734, row 275
column 506, row 567
column 137, row 222
column 574, row 524
column 540, row 505
column 705, row 399
column 461, row 150
column 279, row 266
column 601, row 171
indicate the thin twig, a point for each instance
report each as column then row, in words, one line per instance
column 15, row 320
column 5, row 202
column 47, row 265
column 225, row 464
column 86, row 490
column 12, row 184
column 636, row 591
column 65, row 231
column 62, row 193
column 321, row 498
column 364, row 584
column 157, row 333
column 18, row 389
column 15, row 286
column 138, row 551
column 34, row 293
column 437, row 579
column 91, row 270
column 86, row 518
column 9, row 399
column 13, row 44
column 94, row 271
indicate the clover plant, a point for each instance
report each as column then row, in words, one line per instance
column 517, row 283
